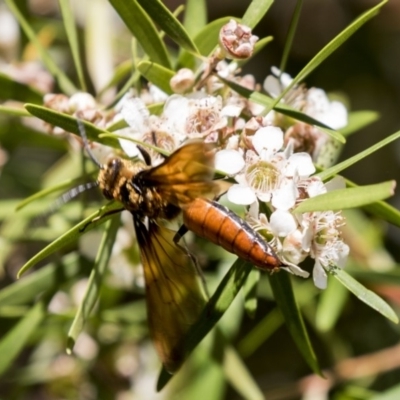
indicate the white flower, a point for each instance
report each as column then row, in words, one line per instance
column 229, row 161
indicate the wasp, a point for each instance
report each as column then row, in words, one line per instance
column 183, row 183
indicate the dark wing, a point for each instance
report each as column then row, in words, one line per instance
column 184, row 175
column 174, row 292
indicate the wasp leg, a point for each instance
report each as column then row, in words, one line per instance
column 101, row 217
column 179, row 235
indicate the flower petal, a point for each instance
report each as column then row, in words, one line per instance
column 319, row 276
column 284, row 198
column 282, row 223
column 300, row 162
column 136, row 114
column 229, row 161
column 268, row 140
column 240, row 194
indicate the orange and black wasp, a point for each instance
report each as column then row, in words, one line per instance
column 181, row 183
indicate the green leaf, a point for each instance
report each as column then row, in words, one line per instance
column 336, row 169
column 65, row 84
column 195, row 18
column 144, row 30
column 89, row 223
column 284, row 296
column 45, row 192
column 260, row 333
column 168, row 23
column 121, row 71
column 347, row 198
column 265, row 100
column 95, row 280
column 290, row 36
column 250, row 292
column 255, row 12
column 390, row 394
column 14, row 111
column 365, row 295
column 330, row 306
column 358, row 120
column 47, row 277
column 13, row 342
column 70, row 28
column 219, row 302
column 157, row 74
column 234, row 367
column 68, row 123
column 13, row 90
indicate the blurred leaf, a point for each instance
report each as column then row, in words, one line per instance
column 250, row 292
column 27, row 288
column 66, row 85
column 157, row 74
column 332, row 171
column 347, row 198
column 255, row 12
column 219, row 302
column 330, row 306
column 70, row 28
column 121, row 71
column 391, row 394
column 144, row 30
column 391, row 277
column 95, row 281
column 284, row 296
column 89, row 223
column 265, row 100
column 168, row 23
column 13, row 90
column 195, row 18
column 14, row 111
column 260, row 333
column 45, row 192
column 358, row 120
column 326, row 52
column 290, row 36
column 15, row 340
column 68, row 123
column 365, row 295
column 234, row 367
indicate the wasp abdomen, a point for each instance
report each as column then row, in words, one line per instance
column 221, row 226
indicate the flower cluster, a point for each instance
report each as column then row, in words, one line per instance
column 270, row 158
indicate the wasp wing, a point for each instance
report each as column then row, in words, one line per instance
column 185, row 175
column 174, row 292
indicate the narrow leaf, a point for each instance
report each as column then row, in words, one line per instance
column 330, row 306
column 47, row 277
column 144, row 30
column 157, row 74
column 168, row 23
column 284, row 296
column 14, row 341
column 70, row 28
column 96, row 219
column 255, row 12
column 68, row 123
column 95, row 280
column 265, row 100
column 250, row 292
column 14, row 111
column 234, row 367
column 195, row 18
column 13, row 90
column 365, row 295
column 347, row 198
column 336, row 169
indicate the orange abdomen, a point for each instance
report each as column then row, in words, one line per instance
column 221, row 226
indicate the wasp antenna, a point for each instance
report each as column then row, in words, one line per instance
column 67, row 196
column 82, row 132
